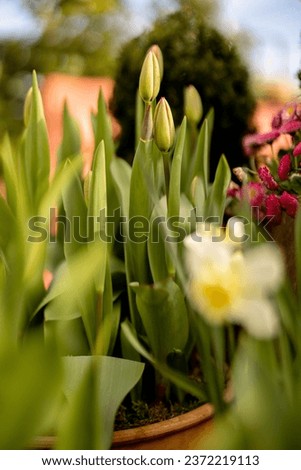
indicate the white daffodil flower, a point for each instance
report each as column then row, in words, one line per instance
column 227, row 285
column 233, row 234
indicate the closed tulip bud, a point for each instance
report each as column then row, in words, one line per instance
column 193, row 107
column 27, row 107
column 158, row 53
column 164, row 128
column 240, row 174
column 149, row 82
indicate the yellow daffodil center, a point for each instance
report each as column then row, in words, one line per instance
column 214, row 299
column 217, row 296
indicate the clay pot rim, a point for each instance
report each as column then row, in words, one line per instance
column 158, row 430
column 163, row 428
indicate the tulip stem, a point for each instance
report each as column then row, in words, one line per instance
column 166, row 164
column 147, row 124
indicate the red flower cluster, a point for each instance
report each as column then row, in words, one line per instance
column 277, row 185
column 266, row 177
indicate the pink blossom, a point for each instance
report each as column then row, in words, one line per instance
column 277, row 121
column 284, row 167
column 288, row 112
column 267, row 137
column 297, row 150
column 249, row 143
column 290, row 127
column 289, row 202
column 273, row 208
column 233, row 192
column 253, row 141
column 254, row 193
column 267, row 178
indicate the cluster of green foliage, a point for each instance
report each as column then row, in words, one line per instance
column 194, row 53
column 38, row 327
column 109, row 297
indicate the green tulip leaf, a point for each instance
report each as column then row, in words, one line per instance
column 94, row 387
column 164, row 316
column 29, row 392
column 216, row 202
column 71, row 142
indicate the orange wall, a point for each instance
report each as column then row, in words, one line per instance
column 81, row 95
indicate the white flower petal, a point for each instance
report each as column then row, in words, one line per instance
column 257, row 316
column 200, row 255
column 265, row 267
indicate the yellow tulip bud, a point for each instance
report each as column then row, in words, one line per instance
column 158, row 53
column 149, row 82
column 164, row 128
column 193, row 107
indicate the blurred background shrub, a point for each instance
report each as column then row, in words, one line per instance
column 94, row 38
column 194, row 53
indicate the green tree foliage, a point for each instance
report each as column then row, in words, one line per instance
column 195, row 53
column 72, row 36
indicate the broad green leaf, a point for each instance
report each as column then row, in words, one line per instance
column 175, row 174
column 174, row 233
column 130, row 353
column 76, row 213
column 103, row 132
column 95, row 387
column 8, row 227
column 97, row 212
column 174, row 196
column 78, row 426
column 107, row 318
column 114, row 320
column 98, row 193
column 121, row 173
column 202, row 153
column 35, row 242
column 156, row 241
column 216, row 202
column 71, row 144
column 69, row 287
column 36, row 149
column 71, row 295
column 142, row 197
column 29, row 392
column 210, row 344
column 69, row 336
column 181, row 380
column 10, row 175
column 287, row 304
column 164, row 316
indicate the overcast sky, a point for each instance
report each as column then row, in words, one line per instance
column 274, row 25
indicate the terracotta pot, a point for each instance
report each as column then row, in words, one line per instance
column 184, row 432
